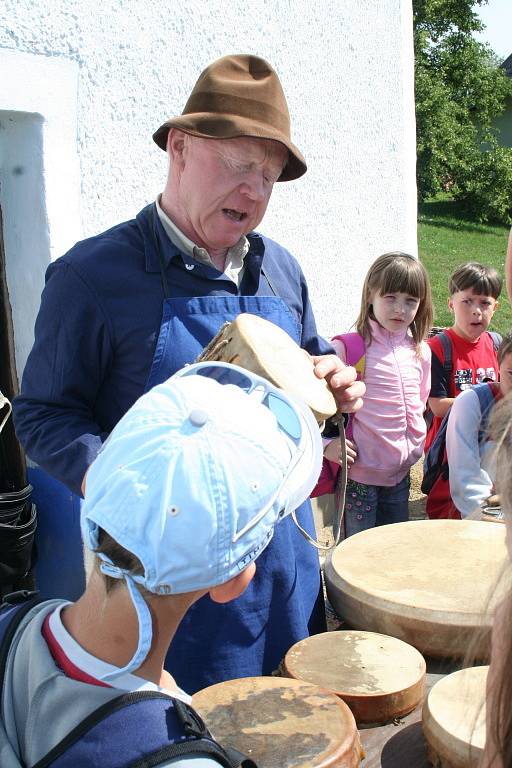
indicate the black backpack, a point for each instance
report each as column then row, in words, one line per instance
column 435, row 463
column 134, row 730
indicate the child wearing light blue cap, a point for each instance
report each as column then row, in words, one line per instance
column 182, row 499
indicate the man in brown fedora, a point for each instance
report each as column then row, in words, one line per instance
column 124, row 310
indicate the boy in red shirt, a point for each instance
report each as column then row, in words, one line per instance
column 474, row 291
column 462, row 355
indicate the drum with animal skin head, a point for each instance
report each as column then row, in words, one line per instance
column 281, row 723
column 265, row 349
column 379, row 677
column 432, row 583
column 453, row 719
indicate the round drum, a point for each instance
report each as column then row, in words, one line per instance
column 281, row 723
column 454, row 719
column 266, row 350
column 428, row 582
column 378, row 676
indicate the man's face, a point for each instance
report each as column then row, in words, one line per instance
column 224, row 186
column 472, row 313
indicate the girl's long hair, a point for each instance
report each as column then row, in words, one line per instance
column 499, row 702
column 397, row 272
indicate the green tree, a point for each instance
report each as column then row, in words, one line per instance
column 459, row 90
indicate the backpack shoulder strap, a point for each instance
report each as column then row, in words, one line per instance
column 447, row 351
column 13, row 609
column 355, row 350
column 496, row 339
column 434, row 463
column 140, row 730
column 486, row 398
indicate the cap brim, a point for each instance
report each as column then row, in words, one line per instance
column 206, row 125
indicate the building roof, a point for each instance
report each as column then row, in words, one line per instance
column 507, row 65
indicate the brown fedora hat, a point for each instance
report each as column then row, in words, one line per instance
column 238, row 96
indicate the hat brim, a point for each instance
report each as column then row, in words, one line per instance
column 206, row 125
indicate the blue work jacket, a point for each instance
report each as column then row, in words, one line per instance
column 97, row 327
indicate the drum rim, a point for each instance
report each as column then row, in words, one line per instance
column 362, row 695
column 435, row 731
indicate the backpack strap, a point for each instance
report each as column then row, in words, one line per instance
column 447, row 351
column 435, row 462
column 486, row 398
column 496, row 339
column 355, row 349
column 13, row 609
column 139, row 730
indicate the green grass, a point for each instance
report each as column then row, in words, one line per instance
column 447, row 238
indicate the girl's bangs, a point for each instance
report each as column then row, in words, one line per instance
column 403, row 277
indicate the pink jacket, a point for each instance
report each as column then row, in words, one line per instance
column 389, row 430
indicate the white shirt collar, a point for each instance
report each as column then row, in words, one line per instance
column 235, row 256
column 98, row 668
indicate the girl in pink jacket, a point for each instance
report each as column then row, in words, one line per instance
column 388, row 433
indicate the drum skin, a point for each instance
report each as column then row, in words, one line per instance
column 379, row 677
column 281, row 723
column 265, row 349
column 453, row 719
column 431, row 583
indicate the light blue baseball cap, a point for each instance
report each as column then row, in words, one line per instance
column 194, row 478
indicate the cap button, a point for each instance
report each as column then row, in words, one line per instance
column 198, row 418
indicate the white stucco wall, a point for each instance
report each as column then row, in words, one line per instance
column 347, row 70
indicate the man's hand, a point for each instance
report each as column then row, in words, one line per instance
column 332, row 451
column 341, row 378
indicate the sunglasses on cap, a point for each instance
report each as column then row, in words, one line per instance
column 293, row 418
column 274, row 399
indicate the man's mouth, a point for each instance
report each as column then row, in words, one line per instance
column 234, row 215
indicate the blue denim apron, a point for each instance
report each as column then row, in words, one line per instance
column 284, row 602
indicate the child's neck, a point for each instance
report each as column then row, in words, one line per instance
column 460, row 333
column 106, row 626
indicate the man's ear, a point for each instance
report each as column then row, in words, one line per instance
column 175, row 145
column 230, row 590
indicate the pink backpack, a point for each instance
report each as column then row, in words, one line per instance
column 355, row 354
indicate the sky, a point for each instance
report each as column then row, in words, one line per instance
column 497, row 17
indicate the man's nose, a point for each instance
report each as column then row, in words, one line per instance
column 253, row 186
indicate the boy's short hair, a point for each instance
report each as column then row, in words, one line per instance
column 484, row 281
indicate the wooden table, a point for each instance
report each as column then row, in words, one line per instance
column 402, row 745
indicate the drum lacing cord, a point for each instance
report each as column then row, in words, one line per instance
column 211, row 351
column 4, row 402
column 338, row 523
column 339, row 496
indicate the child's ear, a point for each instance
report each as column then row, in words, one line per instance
column 450, row 304
column 496, row 306
column 230, row 590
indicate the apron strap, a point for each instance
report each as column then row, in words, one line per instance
column 269, row 281
column 158, row 247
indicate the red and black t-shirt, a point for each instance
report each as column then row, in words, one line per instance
column 473, row 362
